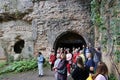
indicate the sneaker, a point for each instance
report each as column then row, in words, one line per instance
column 39, row 75
column 42, row 75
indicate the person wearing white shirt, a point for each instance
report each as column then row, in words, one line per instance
column 101, row 72
column 100, row 77
column 69, row 59
column 56, row 65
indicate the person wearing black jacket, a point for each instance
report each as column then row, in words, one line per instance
column 98, row 56
column 62, row 68
column 80, row 72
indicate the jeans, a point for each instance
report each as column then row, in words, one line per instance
column 40, row 68
column 96, row 63
column 56, row 75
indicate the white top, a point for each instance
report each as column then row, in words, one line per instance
column 57, row 62
column 68, row 56
column 100, row 77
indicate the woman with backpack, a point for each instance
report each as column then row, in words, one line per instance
column 40, row 64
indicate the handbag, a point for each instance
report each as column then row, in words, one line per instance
column 63, row 71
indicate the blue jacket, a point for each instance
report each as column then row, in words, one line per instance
column 97, row 56
column 40, row 59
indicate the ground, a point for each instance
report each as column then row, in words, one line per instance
column 30, row 75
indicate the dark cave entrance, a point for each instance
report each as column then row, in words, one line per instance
column 18, row 46
column 69, row 40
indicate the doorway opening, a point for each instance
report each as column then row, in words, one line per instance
column 18, row 46
column 69, row 40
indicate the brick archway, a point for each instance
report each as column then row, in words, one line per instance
column 69, row 39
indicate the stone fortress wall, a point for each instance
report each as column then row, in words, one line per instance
column 40, row 23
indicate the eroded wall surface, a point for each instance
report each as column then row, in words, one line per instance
column 39, row 23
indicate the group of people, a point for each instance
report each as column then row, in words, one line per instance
column 80, row 63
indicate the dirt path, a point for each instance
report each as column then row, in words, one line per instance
column 30, row 75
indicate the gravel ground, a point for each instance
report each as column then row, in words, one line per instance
column 30, row 75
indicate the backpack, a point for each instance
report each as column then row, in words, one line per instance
column 44, row 60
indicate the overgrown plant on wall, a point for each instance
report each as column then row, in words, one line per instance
column 96, row 19
column 105, row 17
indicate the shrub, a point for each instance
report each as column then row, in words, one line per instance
column 2, row 64
column 117, row 56
column 10, row 58
column 46, row 64
column 112, row 77
column 20, row 66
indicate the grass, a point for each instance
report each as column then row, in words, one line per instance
column 2, row 64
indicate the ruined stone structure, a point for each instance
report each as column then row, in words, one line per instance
column 31, row 25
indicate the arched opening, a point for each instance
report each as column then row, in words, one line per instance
column 18, row 46
column 69, row 40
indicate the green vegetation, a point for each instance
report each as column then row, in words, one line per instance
column 105, row 16
column 20, row 66
column 112, row 77
column 117, row 56
column 2, row 64
column 10, row 58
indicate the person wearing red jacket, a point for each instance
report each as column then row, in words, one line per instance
column 52, row 59
column 74, row 58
